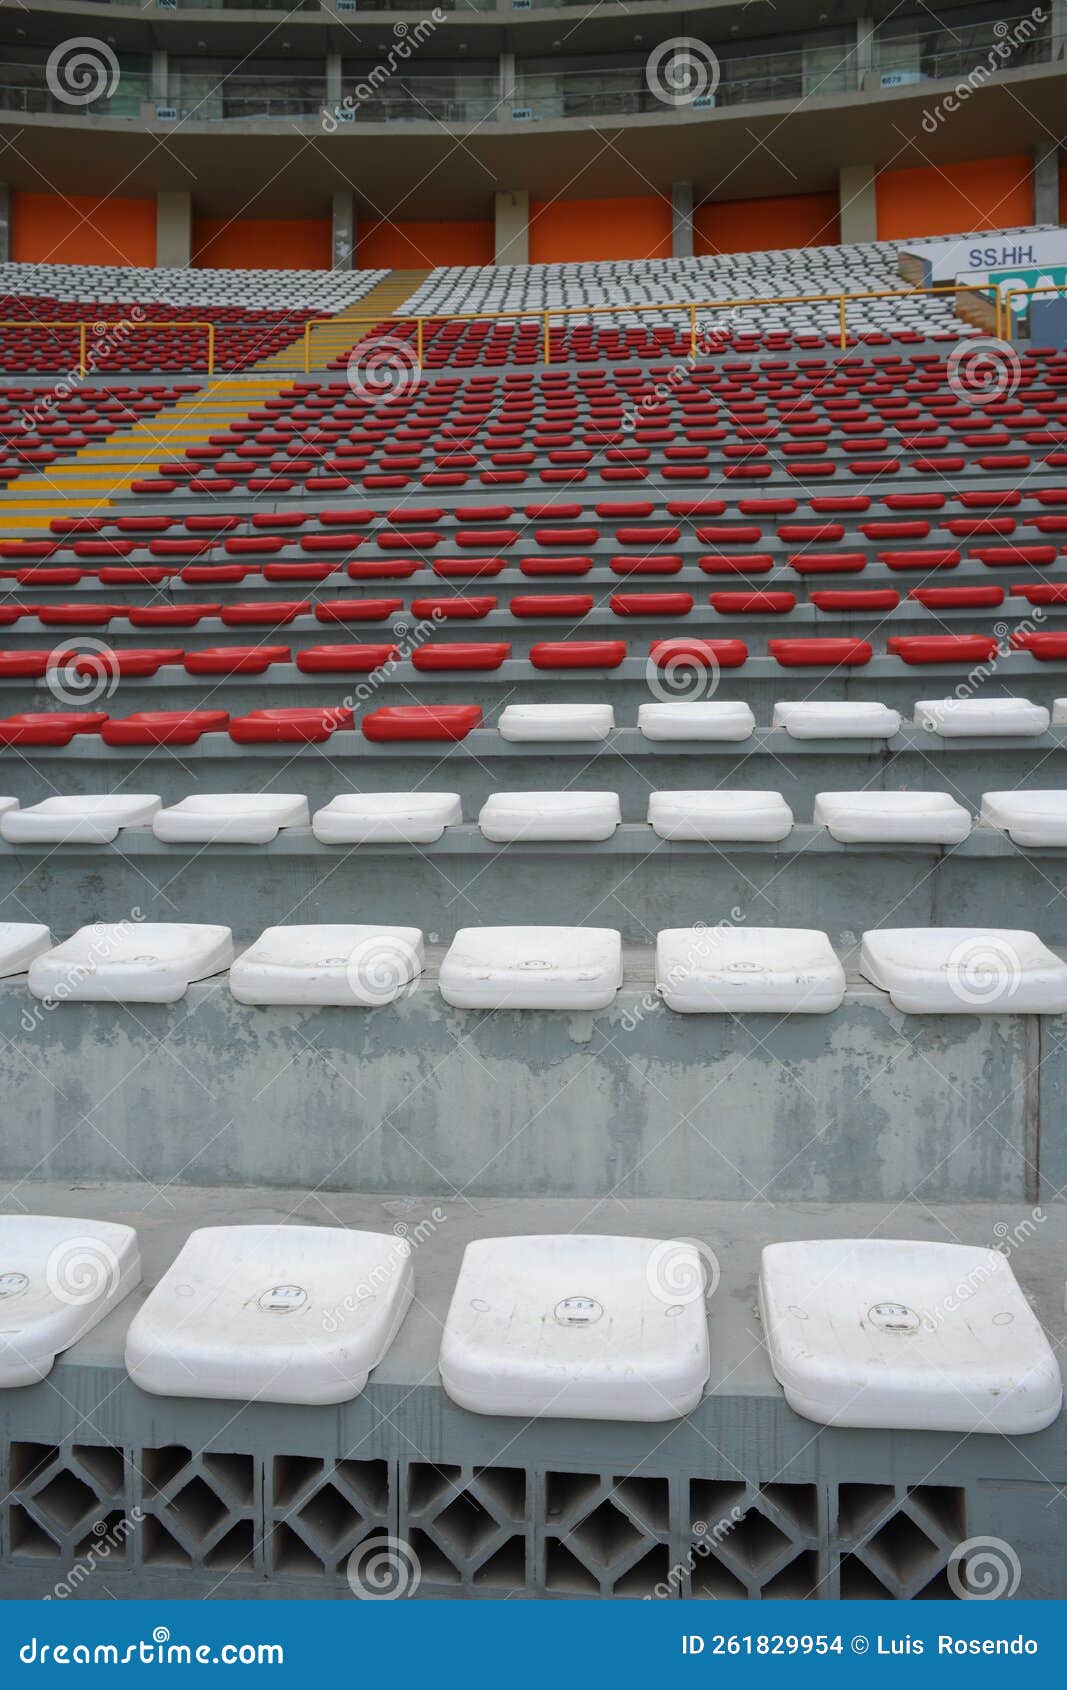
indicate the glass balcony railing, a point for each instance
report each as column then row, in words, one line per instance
column 538, row 96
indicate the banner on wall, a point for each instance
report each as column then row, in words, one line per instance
column 972, row 257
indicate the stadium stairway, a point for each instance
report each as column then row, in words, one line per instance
column 330, row 341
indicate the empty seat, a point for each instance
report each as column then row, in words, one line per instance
column 509, row 816
column 955, row 718
column 20, row 942
column 965, row 970
column 809, row 719
column 748, row 971
column 411, row 818
column 906, row 818
column 233, row 818
column 556, row 721
column 58, row 1280
column 696, row 719
column 131, row 962
column 720, row 816
column 532, row 968
column 91, row 819
column 577, row 1327
column 410, row 722
column 353, row 965
column 907, row 1336
column 272, row 1314
column 1028, row 817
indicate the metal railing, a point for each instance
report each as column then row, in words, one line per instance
column 690, row 309
column 1005, row 326
column 100, row 327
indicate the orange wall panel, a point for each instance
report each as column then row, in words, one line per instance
column 764, row 225
column 261, row 243
column 954, row 199
column 420, row 246
column 569, row 231
column 80, row 229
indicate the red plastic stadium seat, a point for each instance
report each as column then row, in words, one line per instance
column 345, row 659
column 995, row 557
column 79, row 615
column 578, row 654
column 235, row 659
column 551, row 604
column 458, row 608
column 162, row 727
column 819, row 653
column 919, row 560
column 942, row 648
column 434, row 656
column 58, row 727
column 651, row 604
column 753, row 604
column 958, row 598
column 421, row 721
column 1046, row 646
column 270, row 613
column 170, row 615
column 31, row 665
column 129, row 663
column 828, row 563
column 837, row 599
column 356, row 610
column 291, row 726
column 563, row 565
column 736, row 563
column 698, row 653
column 1044, row 593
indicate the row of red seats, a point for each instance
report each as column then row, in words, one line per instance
column 486, row 656
column 283, row 726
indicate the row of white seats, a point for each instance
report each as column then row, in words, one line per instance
column 699, row 970
column 882, row 1333
column 273, row 290
column 714, row 719
column 714, row 816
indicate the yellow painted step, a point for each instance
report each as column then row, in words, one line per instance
column 330, row 340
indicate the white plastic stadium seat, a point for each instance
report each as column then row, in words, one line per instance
column 699, row 719
column 953, row 718
column 1028, row 817
column 363, row 966
column 20, row 942
column 852, row 720
column 511, row 816
column 7, row 804
column 58, row 1279
column 904, row 818
column 965, row 970
column 748, row 971
column 906, row 1336
column 386, row 818
column 94, row 819
column 294, row 1314
column 238, row 818
column 532, row 968
column 576, row 1327
column 716, row 815
column 131, row 962
column 556, row 721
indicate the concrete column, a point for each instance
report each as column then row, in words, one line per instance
column 864, row 48
column 1046, row 180
column 858, row 202
column 343, row 248
column 5, row 223
column 512, row 216
column 334, row 89
column 174, row 230
column 160, row 76
column 681, row 219
column 507, row 82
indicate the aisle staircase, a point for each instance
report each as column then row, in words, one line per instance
column 331, row 339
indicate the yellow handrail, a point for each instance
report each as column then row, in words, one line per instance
column 688, row 306
column 1006, row 327
column 103, row 324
